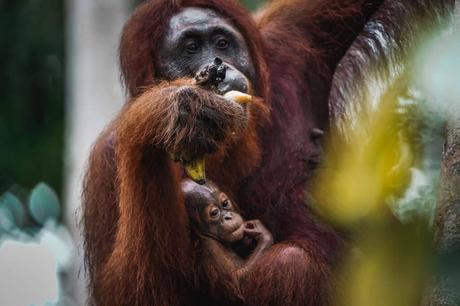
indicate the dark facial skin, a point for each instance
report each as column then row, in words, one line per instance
column 196, row 37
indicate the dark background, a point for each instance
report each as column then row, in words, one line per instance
column 31, row 92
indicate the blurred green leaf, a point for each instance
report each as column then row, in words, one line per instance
column 12, row 209
column 6, row 220
column 44, row 204
column 253, row 4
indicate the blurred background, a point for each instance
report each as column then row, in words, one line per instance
column 60, row 85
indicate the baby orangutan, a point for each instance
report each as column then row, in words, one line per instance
column 226, row 246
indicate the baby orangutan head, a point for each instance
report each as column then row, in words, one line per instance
column 212, row 213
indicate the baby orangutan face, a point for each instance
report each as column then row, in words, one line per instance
column 212, row 213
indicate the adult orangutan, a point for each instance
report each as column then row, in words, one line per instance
column 137, row 237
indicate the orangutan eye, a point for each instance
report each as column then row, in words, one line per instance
column 214, row 212
column 192, row 47
column 222, row 44
column 226, row 203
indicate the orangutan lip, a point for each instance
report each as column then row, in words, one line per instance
column 237, row 232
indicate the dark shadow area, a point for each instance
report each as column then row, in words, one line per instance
column 31, row 93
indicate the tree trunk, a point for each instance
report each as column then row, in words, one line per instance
column 447, row 223
column 448, row 213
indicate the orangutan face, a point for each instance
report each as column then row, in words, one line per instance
column 196, row 39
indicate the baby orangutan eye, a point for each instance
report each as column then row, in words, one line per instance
column 226, row 203
column 214, row 213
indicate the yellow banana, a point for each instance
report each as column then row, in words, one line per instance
column 238, row 97
column 195, row 169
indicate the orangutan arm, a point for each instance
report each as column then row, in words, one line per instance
column 324, row 28
column 133, row 159
column 180, row 117
column 99, row 209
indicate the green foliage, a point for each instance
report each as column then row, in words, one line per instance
column 31, row 92
column 12, row 208
column 253, row 4
column 28, row 212
column 44, row 204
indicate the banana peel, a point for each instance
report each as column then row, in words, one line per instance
column 196, row 168
column 238, row 97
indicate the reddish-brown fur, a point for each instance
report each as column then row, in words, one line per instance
column 138, row 248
